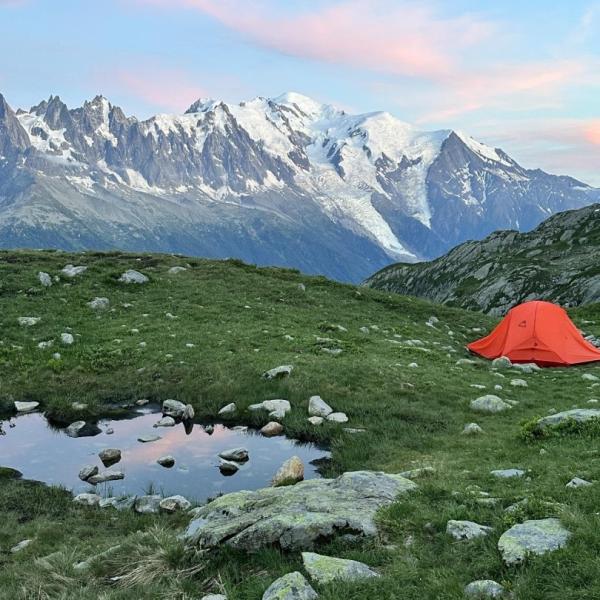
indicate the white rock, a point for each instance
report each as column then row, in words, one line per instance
column 26, row 406
column 484, row 588
column 132, row 276
column 87, row 499
column 45, row 345
column 489, row 404
column 518, row 383
column 228, row 409
column 29, row 321
column 175, row 270
column 466, row 530
column 317, row 407
column 45, row 279
column 174, row 503
column 20, row 546
column 315, row 420
column 99, row 303
column 589, row 377
column 277, row 372
column 337, row 417
column 72, row 271
column 67, row 338
column 577, row 482
column 507, row 473
column 472, row 429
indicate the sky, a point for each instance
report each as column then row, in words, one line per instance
column 520, row 75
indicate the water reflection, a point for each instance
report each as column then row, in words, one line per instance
column 43, row 452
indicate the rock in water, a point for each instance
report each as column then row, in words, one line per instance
column 290, row 472
column 106, row 476
column 325, row 569
column 278, row 372
column 132, row 276
column 173, row 408
column 292, row 586
column 87, row 472
column 82, row 429
column 489, row 404
column 466, row 530
column 26, row 406
column 235, row 454
column 45, row 279
column 271, row 429
column 166, row 461
column 146, row 505
column 165, row 422
column 295, row 517
column 228, row 467
column 145, row 439
column 317, row 407
column 109, row 456
column 484, row 588
column 532, row 537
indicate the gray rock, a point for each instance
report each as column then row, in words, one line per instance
column 228, row 409
column 416, row 473
column 79, row 406
column 484, row 588
column 22, row 545
column 99, row 303
column 174, row 503
column 87, row 472
column 296, row 517
column 188, row 413
column 106, row 476
column 466, row 530
column 315, row 420
column 166, row 461
column 228, row 467
column 146, row 505
column 110, row 456
column 145, row 439
column 290, row 472
column 317, row 407
column 235, row 454
column 278, row 372
column 472, row 429
column 590, row 377
column 581, row 415
column 577, row 482
column 81, row 429
column 176, row 270
column 72, row 271
column 489, row 404
column 26, row 406
column 214, row 597
column 173, row 408
column 292, row 586
column 165, row 422
column 507, row 473
column 325, row 569
column 503, row 362
column 532, row 537
column 87, row 499
column 28, row 321
column 132, row 276
column 67, row 339
column 45, row 279
column 518, row 383
column 337, row 417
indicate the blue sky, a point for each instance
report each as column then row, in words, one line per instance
column 524, row 76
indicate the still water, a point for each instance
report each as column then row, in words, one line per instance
column 45, row 453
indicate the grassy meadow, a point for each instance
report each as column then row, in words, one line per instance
column 204, row 336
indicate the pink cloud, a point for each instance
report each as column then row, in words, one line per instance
column 167, row 89
column 592, row 132
column 396, row 38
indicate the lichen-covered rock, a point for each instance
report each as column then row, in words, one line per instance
column 580, row 415
column 290, row 472
column 132, row 276
column 489, row 404
column 466, row 530
column 295, row 517
column 292, row 586
column 325, row 569
column 484, row 588
column 174, row 503
column 67, row 339
column 532, row 537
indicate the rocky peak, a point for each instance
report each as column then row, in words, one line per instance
column 13, row 137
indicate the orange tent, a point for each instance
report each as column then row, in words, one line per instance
column 539, row 332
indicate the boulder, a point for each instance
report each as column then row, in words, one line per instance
column 292, row 586
column 109, row 456
column 296, row 517
column 337, row 417
column 503, row 362
column 82, row 429
column 290, row 472
column 87, row 472
column 28, row 321
column 532, row 537
column 106, row 476
column 581, row 415
column 484, row 588
column 278, row 372
column 45, row 279
column 228, row 409
column 590, row 377
column 317, row 407
column 26, row 406
column 173, row 408
column 272, row 428
column 146, row 505
column 87, row 499
column 466, row 530
column 67, row 339
column 132, row 276
column 489, row 404
column 165, row 422
column 235, row 454
column 472, row 429
column 577, row 482
column 175, row 270
column 174, row 503
column 315, row 420
column 72, row 271
column 325, row 569
column 228, row 467
column 99, row 303
column 507, row 473
column 166, row 461
column 188, row 413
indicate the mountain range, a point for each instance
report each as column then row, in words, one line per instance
column 557, row 261
column 285, row 181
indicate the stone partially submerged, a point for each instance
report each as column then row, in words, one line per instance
column 296, row 517
column 532, row 537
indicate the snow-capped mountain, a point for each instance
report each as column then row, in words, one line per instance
column 286, row 181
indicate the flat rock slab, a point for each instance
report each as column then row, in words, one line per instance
column 507, row 473
column 296, row 517
column 26, row 406
column 325, row 569
column 292, row 586
column 532, row 537
column 580, row 415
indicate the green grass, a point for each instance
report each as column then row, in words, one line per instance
column 238, row 317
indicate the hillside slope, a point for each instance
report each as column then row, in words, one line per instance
column 204, row 335
column 558, row 261
column 287, row 181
